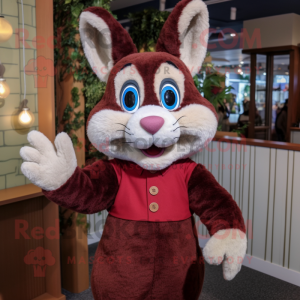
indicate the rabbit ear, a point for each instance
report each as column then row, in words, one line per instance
column 185, row 33
column 104, row 40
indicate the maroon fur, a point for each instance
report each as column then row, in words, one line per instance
column 212, row 203
column 138, row 259
column 147, row 64
column 146, row 261
column 122, row 44
column 143, row 260
column 88, row 190
column 169, row 36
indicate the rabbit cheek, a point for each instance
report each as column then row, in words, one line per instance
column 145, row 135
column 106, row 131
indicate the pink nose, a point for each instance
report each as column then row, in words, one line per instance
column 152, row 124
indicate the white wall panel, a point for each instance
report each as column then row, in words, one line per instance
column 214, row 152
column 226, row 173
column 280, row 207
column 294, row 261
column 270, row 227
column 260, row 207
column 288, row 207
column 251, row 198
column 245, row 184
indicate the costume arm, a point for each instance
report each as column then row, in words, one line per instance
column 212, row 203
column 54, row 169
column 89, row 190
column 223, row 219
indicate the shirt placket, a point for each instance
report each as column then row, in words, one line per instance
column 153, row 197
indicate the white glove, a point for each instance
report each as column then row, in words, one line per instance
column 46, row 167
column 228, row 246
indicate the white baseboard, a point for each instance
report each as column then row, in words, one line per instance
column 266, row 267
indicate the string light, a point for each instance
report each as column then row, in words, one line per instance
column 4, row 88
column 6, row 30
column 26, row 117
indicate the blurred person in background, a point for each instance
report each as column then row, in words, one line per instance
column 223, row 114
column 281, row 123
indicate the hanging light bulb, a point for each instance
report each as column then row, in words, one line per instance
column 26, row 117
column 4, row 88
column 6, row 30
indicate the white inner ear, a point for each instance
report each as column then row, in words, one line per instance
column 193, row 34
column 168, row 71
column 129, row 73
column 97, row 44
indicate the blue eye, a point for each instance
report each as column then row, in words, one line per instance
column 130, row 99
column 169, row 96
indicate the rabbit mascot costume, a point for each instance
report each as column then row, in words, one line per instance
column 150, row 120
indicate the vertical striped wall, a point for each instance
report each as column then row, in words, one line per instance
column 96, row 224
column 265, row 183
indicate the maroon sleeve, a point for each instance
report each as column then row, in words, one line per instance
column 212, row 203
column 89, row 190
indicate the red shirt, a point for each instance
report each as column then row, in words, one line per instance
column 156, row 197
column 126, row 191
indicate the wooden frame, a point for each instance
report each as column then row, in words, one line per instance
column 27, row 203
column 294, row 86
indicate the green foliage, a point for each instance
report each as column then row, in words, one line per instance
column 209, row 82
column 65, row 222
column 145, row 28
column 73, row 120
column 241, row 131
column 69, row 56
column 75, row 97
column 93, row 91
column 81, row 221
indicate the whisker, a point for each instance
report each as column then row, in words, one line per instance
column 123, row 125
column 177, row 137
column 179, row 127
column 125, row 132
column 178, row 119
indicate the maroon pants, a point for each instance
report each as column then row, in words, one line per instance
column 144, row 260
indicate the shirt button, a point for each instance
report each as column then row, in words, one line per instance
column 152, row 171
column 153, row 207
column 153, row 190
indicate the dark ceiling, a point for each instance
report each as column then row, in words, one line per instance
column 220, row 13
column 249, row 9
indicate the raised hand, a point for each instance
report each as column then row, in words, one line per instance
column 45, row 166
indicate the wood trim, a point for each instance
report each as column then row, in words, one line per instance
column 47, row 296
column 221, row 134
column 53, row 274
column 269, row 95
column 252, row 96
column 46, row 96
column 294, row 89
column 259, row 143
column 295, row 128
column 19, row 193
column 272, row 50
